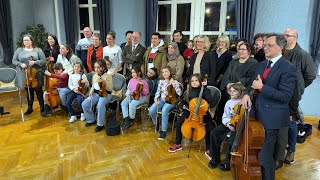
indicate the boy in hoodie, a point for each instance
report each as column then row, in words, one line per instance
column 155, row 56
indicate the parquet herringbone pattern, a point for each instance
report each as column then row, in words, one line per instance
column 53, row 148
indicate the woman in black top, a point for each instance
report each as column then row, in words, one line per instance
column 52, row 48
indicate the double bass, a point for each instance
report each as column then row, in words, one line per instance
column 193, row 127
column 247, row 144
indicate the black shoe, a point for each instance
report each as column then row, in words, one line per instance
column 47, row 110
column 162, row 135
column 124, row 122
column 127, row 124
column 29, row 111
column 213, row 163
column 90, row 124
column 99, row 128
column 224, row 167
column 278, row 165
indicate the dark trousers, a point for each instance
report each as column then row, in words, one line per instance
column 281, row 144
column 217, row 136
column 266, row 154
column 184, row 115
column 71, row 96
column 39, row 93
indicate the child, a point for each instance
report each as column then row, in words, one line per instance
column 129, row 101
column 62, row 87
column 159, row 100
column 73, row 85
column 187, row 53
column 195, row 84
column 218, row 134
column 152, row 75
column 94, row 98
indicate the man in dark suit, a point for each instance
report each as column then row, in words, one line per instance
column 271, row 104
column 132, row 54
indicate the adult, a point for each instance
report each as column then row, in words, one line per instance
column 175, row 61
column 128, row 40
column 132, row 55
column 28, row 55
column 238, row 43
column 83, row 45
column 305, row 71
column 258, row 47
column 51, row 50
column 203, row 61
column 95, row 52
column 155, row 55
column 271, row 104
column 67, row 58
column 223, row 55
column 178, row 38
column 114, row 52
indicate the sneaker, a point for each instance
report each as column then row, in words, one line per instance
column 208, row 154
column 175, row 147
column 72, row 119
column 82, row 118
column 289, row 158
column 162, row 135
column 99, row 128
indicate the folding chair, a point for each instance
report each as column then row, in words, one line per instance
column 144, row 107
column 118, row 83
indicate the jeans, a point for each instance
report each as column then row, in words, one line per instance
column 292, row 135
column 63, row 92
column 101, row 108
column 132, row 106
column 71, row 96
column 165, row 109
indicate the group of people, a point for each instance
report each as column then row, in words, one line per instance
column 275, row 66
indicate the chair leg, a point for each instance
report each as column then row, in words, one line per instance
column 174, row 119
column 142, row 117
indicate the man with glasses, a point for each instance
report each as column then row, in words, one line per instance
column 306, row 74
column 271, row 104
column 83, row 46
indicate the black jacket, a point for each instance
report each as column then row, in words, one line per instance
column 55, row 52
column 194, row 93
column 222, row 65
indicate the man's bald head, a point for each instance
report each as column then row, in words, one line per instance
column 87, row 32
column 291, row 36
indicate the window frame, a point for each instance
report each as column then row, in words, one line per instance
column 90, row 7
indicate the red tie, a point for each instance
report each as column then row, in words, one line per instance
column 267, row 69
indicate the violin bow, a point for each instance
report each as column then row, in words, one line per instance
column 22, row 115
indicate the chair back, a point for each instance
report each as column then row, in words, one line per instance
column 216, row 94
column 7, row 77
column 118, row 82
column 89, row 77
column 150, row 85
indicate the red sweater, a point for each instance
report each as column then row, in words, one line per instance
column 99, row 55
column 187, row 53
column 62, row 80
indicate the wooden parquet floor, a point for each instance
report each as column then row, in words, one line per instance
column 53, row 148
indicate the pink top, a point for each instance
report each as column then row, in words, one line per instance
column 133, row 85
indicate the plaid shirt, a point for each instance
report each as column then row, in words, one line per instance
column 162, row 89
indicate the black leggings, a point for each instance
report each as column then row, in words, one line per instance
column 39, row 93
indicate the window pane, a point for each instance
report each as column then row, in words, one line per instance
column 230, row 19
column 96, row 19
column 94, row 1
column 212, row 16
column 164, row 17
column 83, row 1
column 84, row 18
column 183, row 16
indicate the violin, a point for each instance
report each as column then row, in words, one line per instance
column 31, row 72
column 247, row 144
column 137, row 92
column 82, row 86
column 193, row 128
column 172, row 96
column 102, row 92
column 49, row 63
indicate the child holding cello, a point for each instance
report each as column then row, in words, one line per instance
column 100, row 95
column 136, row 95
column 159, row 100
column 62, row 87
column 218, row 134
column 73, row 84
column 195, row 83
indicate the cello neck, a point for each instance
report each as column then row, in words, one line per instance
column 199, row 100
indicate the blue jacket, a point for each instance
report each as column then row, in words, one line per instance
column 271, row 104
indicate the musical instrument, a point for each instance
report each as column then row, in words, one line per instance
column 82, row 86
column 31, row 72
column 247, row 144
column 102, row 91
column 171, row 98
column 52, row 94
column 193, row 128
column 49, row 63
column 137, row 92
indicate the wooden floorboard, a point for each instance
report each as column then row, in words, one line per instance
column 53, row 148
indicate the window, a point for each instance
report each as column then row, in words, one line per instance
column 207, row 17
column 88, row 16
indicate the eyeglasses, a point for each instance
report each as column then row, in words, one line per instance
column 241, row 49
column 200, row 42
column 268, row 45
column 288, row 35
column 26, row 40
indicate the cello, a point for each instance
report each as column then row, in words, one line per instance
column 49, row 63
column 247, row 144
column 193, row 127
column 52, row 94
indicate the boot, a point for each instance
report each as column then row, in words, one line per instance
column 29, row 110
column 47, row 110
